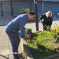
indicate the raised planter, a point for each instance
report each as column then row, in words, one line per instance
column 24, row 49
column 26, row 52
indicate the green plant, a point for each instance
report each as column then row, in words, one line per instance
column 42, row 37
column 28, row 29
column 48, row 27
column 23, row 11
column 55, row 30
column 41, row 46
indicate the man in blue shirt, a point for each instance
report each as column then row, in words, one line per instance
column 14, row 26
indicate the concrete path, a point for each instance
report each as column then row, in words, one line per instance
column 5, row 46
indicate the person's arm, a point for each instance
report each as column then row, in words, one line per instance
column 23, row 29
column 41, row 17
column 21, row 25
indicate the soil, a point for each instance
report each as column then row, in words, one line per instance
column 56, row 46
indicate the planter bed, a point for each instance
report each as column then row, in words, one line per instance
column 41, row 44
column 39, row 48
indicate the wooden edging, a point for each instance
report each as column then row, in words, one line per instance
column 26, row 52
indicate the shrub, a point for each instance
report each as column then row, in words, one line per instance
column 29, row 30
column 41, row 46
column 23, row 11
column 55, row 30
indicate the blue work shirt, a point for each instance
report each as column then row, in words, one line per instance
column 17, row 24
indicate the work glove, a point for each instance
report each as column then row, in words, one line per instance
column 48, row 26
column 21, row 35
column 27, row 35
column 42, row 21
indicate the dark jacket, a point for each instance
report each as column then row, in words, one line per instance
column 47, row 21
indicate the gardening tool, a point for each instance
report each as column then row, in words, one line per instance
column 24, row 35
column 28, row 35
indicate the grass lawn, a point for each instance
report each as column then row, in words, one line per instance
column 41, row 44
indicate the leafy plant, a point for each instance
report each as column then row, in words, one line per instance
column 48, row 27
column 42, row 45
column 42, row 37
column 23, row 11
column 29, row 30
column 55, row 30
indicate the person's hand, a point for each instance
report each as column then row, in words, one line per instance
column 25, row 31
column 48, row 26
column 40, row 21
column 27, row 35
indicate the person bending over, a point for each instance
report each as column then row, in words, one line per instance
column 14, row 26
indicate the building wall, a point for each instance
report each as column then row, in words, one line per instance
column 6, row 6
column 0, row 8
column 39, row 8
column 54, row 7
column 17, row 6
column 52, row 0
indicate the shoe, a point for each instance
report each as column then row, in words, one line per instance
column 20, row 55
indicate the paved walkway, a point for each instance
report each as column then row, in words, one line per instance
column 5, row 46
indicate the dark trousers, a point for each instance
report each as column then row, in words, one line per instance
column 14, row 39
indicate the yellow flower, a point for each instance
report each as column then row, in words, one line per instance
column 46, row 26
